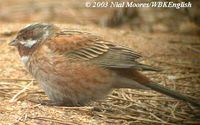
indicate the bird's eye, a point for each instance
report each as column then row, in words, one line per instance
column 24, row 37
column 27, row 35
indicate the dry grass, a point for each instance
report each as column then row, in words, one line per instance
column 177, row 55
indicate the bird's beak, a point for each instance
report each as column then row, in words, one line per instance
column 13, row 43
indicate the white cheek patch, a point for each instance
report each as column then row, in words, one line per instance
column 29, row 43
column 25, row 59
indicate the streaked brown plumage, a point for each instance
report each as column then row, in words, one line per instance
column 75, row 67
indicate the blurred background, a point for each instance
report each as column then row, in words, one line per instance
column 183, row 20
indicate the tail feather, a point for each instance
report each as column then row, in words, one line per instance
column 139, row 78
column 172, row 93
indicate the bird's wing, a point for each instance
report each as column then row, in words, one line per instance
column 81, row 46
column 86, row 47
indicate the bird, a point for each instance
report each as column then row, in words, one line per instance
column 76, row 67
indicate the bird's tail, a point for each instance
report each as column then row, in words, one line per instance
column 172, row 93
column 140, row 78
